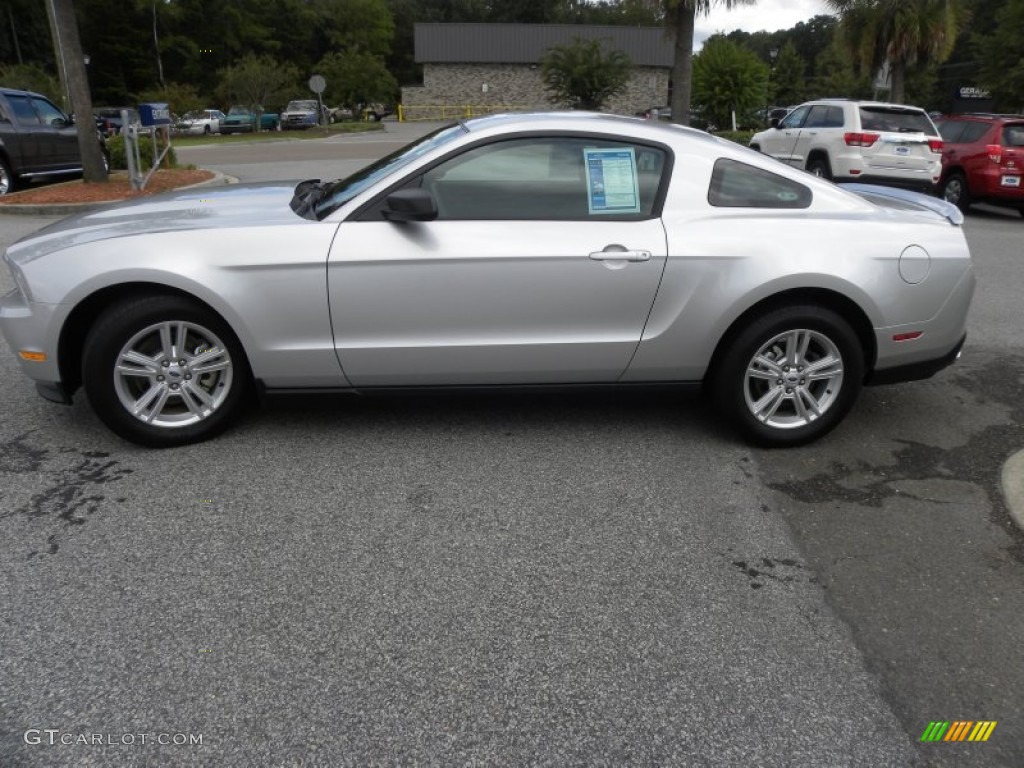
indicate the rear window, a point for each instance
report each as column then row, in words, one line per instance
column 1013, row 135
column 895, row 120
column 738, row 185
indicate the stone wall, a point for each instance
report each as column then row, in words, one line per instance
column 458, row 90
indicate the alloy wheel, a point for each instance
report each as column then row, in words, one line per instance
column 793, row 379
column 173, row 374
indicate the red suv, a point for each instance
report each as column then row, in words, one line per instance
column 983, row 160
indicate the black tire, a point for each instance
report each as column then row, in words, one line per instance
column 820, row 166
column 206, row 130
column 756, row 147
column 956, row 191
column 739, row 394
column 8, row 181
column 216, row 397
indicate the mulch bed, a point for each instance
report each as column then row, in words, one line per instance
column 117, row 188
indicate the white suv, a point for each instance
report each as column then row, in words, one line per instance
column 863, row 141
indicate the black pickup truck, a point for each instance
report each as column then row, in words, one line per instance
column 36, row 139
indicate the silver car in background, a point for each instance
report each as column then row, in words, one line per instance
column 514, row 250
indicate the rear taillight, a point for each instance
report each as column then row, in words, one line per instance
column 860, row 139
column 995, row 153
column 935, row 145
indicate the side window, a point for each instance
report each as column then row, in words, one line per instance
column 47, row 112
column 23, row 110
column 817, row 117
column 548, row 178
column 834, row 118
column 974, row 131
column 738, row 185
column 795, row 118
column 951, row 131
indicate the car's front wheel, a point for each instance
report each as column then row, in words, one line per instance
column 163, row 371
column 790, row 376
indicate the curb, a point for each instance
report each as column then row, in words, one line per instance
column 67, row 209
column 1013, row 487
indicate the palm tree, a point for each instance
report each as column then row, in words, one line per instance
column 900, row 33
column 681, row 18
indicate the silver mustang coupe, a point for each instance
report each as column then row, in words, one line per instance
column 512, row 250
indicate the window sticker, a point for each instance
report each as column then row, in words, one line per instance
column 612, row 185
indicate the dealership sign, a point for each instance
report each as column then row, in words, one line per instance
column 972, row 92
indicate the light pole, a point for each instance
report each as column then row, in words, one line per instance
column 773, row 54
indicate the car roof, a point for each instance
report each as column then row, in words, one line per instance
column 19, row 92
column 982, row 116
column 864, row 103
column 577, row 120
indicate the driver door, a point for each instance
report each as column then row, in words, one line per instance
column 541, row 267
column 782, row 142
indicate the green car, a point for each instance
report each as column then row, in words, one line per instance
column 241, row 120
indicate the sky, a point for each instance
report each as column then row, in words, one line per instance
column 768, row 15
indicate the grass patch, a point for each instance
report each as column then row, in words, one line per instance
column 242, row 138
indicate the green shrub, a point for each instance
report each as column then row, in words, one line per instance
column 740, row 137
column 115, row 146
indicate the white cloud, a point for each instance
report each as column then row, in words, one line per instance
column 768, row 15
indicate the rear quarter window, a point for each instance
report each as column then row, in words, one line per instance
column 738, row 185
column 1013, row 135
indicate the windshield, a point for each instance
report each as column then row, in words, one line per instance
column 238, row 111
column 301, row 105
column 340, row 192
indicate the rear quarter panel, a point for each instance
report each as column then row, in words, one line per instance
column 723, row 261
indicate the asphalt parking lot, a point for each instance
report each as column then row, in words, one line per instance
column 508, row 580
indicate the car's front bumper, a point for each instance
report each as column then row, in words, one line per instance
column 28, row 327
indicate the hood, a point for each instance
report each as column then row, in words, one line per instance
column 237, row 206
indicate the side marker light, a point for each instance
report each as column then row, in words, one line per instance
column 35, row 357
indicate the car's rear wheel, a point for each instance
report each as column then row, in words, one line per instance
column 790, row 376
column 163, row 371
column 8, row 182
column 820, row 166
column 955, row 191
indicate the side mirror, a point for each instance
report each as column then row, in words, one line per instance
column 410, row 205
column 775, row 122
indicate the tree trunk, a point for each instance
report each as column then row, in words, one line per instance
column 898, row 72
column 71, row 65
column 156, row 46
column 682, row 63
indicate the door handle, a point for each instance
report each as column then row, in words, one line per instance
column 618, row 253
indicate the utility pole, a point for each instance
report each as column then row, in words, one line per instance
column 71, row 64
